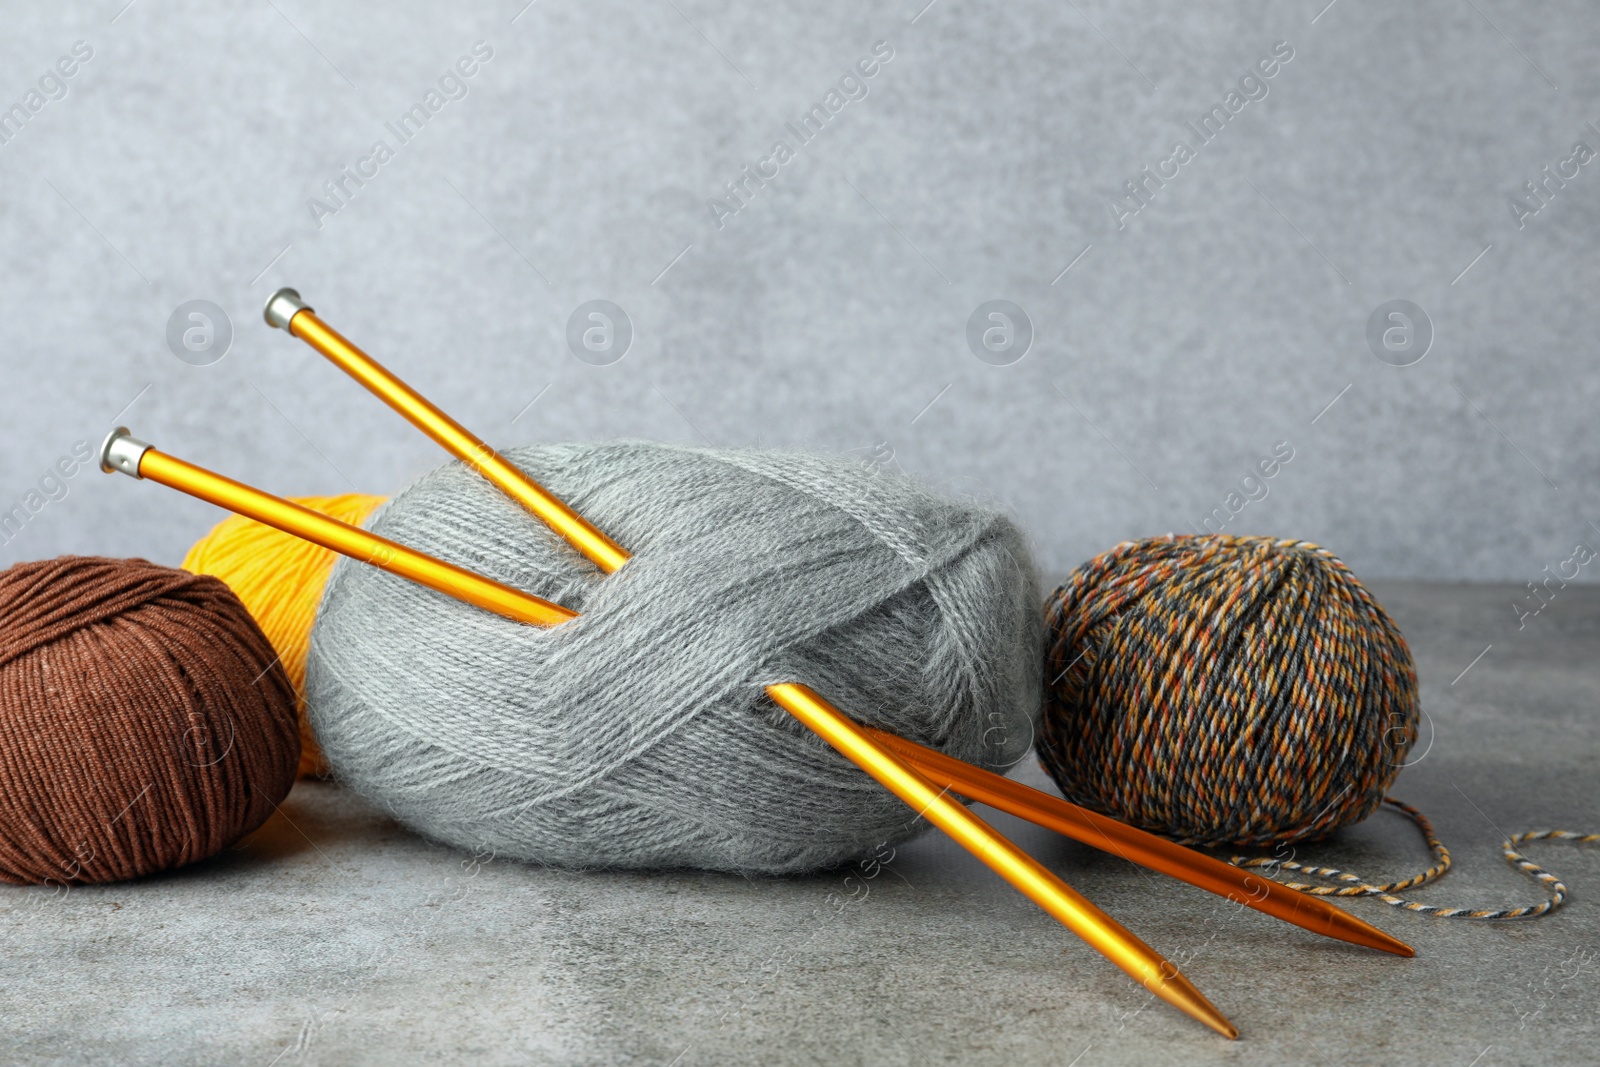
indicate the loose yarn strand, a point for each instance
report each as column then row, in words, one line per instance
column 1360, row 887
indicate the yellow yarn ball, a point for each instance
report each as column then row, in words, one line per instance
column 280, row 579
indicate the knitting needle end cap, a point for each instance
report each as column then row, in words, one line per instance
column 121, row 451
column 282, row 307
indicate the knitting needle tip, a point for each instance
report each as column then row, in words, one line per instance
column 1347, row 927
column 1321, row 916
column 1178, row 991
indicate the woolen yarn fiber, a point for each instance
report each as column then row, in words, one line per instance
column 144, row 721
column 638, row 735
column 1218, row 689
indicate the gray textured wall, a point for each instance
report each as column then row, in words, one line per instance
column 1186, row 341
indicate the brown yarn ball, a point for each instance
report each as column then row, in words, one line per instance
column 144, row 720
column 1225, row 690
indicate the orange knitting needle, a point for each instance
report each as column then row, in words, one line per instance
column 1074, row 911
column 122, row 452
column 1139, row 846
column 285, row 309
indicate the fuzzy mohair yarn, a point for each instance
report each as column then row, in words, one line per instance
column 280, row 579
column 638, row 735
column 1225, row 690
column 144, row 723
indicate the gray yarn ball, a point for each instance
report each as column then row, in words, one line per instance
column 638, row 735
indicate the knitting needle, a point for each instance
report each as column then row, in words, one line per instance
column 1139, row 846
column 123, row 452
column 287, row 311
column 1074, row 911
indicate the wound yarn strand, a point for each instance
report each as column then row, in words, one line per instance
column 1229, row 690
column 143, row 721
column 638, row 735
column 1225, row 690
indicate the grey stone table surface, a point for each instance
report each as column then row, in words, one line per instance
column 334, row 936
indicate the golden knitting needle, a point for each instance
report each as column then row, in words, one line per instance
column 288, row 312
column 122, row 452
column 1139, row 846
column 1074, row 911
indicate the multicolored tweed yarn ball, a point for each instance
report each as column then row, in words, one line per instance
column 1225, row 690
